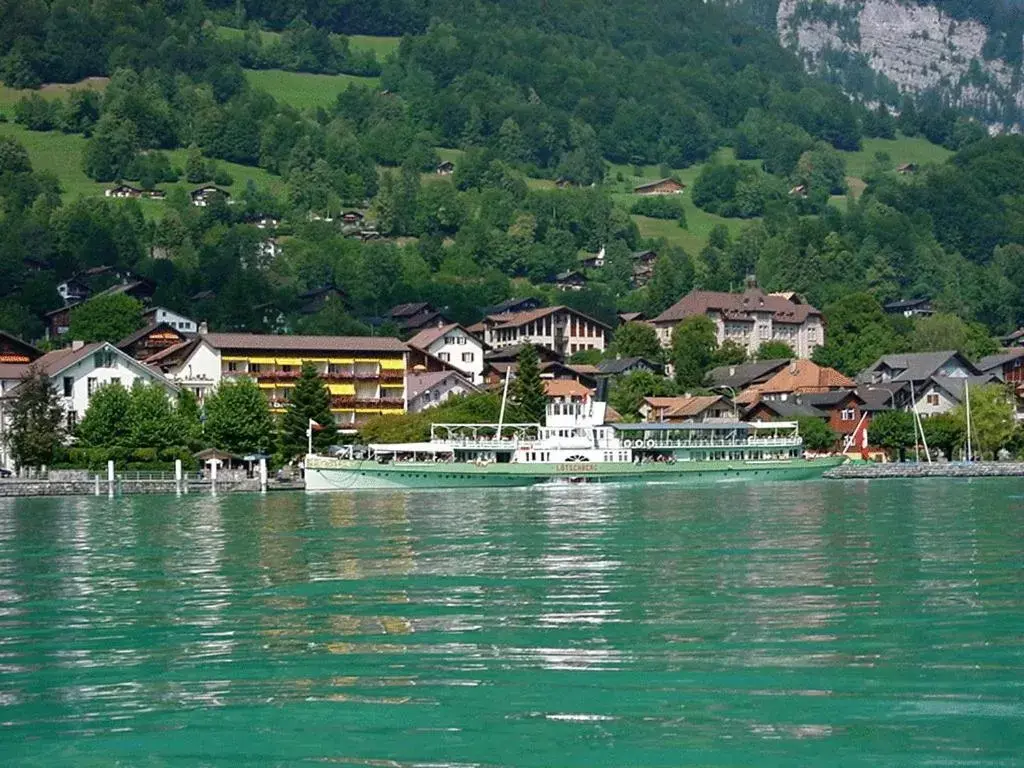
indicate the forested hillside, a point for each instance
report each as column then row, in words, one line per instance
column 596, row 95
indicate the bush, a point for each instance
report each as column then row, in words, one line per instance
column 659, row 208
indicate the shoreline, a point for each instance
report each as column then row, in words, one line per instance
column 909, row 470
column 27, row 488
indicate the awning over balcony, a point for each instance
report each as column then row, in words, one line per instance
column 289, row 361
column 341, row 389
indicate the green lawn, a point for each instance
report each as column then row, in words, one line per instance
column 382, row 46
column 61, row 155
column 303, row 89
column 900, row 150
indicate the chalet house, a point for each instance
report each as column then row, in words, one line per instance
column 365, row 375
column 73, row 290
column 687, row 408
column 843, row 410
column 800, row 190
column 593, row 260
column 510, row 306
column 497, row 362
column 453, row 344
column 570, row 280
column 416, row 316
column 643, row 267
column 151, row 339
column 909, row 377
column 351, row 217
column 631, row 317
column 733, row 379
column 154, row 194
column 1015, row 339
column 316, row 299
column 163, row 315
column 206, row 194
column 59, row 320
column 14, row 351
column 561, row 329
column 660, row 187
column 261, row 221
column 906, row 168
column 1007, row 366
column 944, row 393
column 566, row 391
column 430, row 389
column 749, row 319
column 623, row 366
column 77, row 372
column 798, row 377
column 563, row 183
column 123, row 191
column 446, row 168
column 909, row 308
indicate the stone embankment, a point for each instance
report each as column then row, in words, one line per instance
column 868, row 471
column 81, row 483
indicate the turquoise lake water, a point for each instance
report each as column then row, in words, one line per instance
column 834, row 624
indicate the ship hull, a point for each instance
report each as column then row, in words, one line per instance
column 334, row 475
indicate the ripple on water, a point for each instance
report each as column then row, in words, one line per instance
column 817, row 623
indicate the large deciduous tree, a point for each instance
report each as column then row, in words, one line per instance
column 107, row 420
column 693, row 344
column 817, row 435
column 106, row 318
column 992, row 421
column 152, row 420
column 893, row 430
column 36, row 429
column 636, row 340
column 628, row 392
column 310, row 399
column 774, row 350
column 238, row 418
column 858, row 334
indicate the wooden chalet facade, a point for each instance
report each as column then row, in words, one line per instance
column 660, row 187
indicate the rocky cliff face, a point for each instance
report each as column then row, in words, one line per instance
column 881, row 48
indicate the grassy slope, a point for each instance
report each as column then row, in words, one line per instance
column 61, row 155
column 10, row 96
column 382, row 46
column 900, row 150
column 302, row 89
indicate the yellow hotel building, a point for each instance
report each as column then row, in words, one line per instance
column 365, row 375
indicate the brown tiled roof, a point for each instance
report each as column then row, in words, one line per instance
column 171, row 351
column 287, row 343
column 416, row 383
column 565, row 388
column 692, row 406
column 410, row 309
column 798, row 376
column 13, row 370
column 652, row 184
column 737, row 306
column 56, row 361
column 517, row 319
column 428, row 336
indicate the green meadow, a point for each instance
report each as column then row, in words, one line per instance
column 304, row 90
column 61, row 154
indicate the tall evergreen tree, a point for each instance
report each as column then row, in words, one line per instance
column 693, row 344
column 527, row 390
column 36, row 429
column 310, row 400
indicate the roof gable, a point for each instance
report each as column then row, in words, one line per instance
column 738, row 306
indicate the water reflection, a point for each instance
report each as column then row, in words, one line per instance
column 566, row 625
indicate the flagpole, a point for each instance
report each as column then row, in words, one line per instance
column 504, row 399
column 309, row 437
